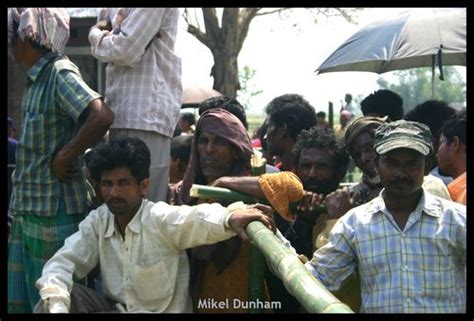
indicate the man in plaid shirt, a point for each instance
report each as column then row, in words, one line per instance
column 61, row 118
column 408, row 245
column 143, row 80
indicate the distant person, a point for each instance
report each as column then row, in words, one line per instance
column 287, row 116
column 180, row 151
column 186, row 123
column 340, row 129
column 383, row 103
column 452, row 155
column 408, row 246
column 350, row 105
column 143, row 80
column 321, row 119
column 433, row 113
column 61, row 117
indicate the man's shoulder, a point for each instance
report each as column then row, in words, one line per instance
column 62, row 63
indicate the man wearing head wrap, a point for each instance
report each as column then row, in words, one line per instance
column 61, row 118
column 143, row 80
column 221, row 147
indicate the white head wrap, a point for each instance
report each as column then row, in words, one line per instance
column 48, row 27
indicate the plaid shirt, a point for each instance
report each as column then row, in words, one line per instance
column 143, row 77
column 54, row 98
column 421, row 269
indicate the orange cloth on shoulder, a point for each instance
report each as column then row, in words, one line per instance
column 281, row 189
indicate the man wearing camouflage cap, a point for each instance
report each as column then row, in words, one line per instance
column 408, row 245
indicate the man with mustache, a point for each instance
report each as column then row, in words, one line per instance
column 138, row 244
column 321, row 164
column 408, row 246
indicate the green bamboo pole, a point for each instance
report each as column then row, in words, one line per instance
column 311, row 293
column 220, row 193
column 257, row 265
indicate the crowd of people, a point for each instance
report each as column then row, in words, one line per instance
column 108, row 223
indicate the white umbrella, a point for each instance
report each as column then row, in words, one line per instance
column 415, row 38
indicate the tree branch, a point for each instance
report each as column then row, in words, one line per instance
column 212, row 25
column 271, row 12
column 201, row 36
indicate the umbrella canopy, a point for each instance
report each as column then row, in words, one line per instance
column 415, row 38
column 194, row 95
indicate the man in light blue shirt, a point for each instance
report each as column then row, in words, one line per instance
column 408, row 246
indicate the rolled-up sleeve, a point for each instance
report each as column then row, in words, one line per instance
column 127, row 46
column 190, row 226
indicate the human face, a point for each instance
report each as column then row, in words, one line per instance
column 363, row 153
column 444, row 155
column 317, row 171
column 216, row 156
column 401, row 171
column 121, row 191
column 273, row 139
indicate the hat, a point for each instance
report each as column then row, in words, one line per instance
column 403, row 134
column 361, row 125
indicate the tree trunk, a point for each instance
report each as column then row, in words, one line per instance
column 225, row 72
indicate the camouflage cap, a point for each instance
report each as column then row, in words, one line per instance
column 403, row 134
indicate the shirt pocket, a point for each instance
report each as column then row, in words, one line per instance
column 152, row 282
column 34, row 136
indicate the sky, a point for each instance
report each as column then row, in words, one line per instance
column 285, row 57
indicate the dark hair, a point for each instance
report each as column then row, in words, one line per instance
column 432, row 113
column 121, row 151
column 455, row 126
column 189, row 118
column 322, row 137
column 230, row 104
column 383, row 103
column 294, row 110
column 181, row 147
column 321, row 114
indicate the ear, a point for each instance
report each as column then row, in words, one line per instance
column 456, row 143
column 144, row 185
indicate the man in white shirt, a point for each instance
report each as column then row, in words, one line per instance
column 143, row 80
column 139, row 244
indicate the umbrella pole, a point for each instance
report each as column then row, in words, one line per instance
column 433, row 69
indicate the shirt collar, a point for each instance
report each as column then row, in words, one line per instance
column 428, row 204
column 38, row 66
column 135, row 225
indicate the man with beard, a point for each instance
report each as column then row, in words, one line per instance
column 139, row 244
column 321, row 164
column 220, row 147
column 408, row 246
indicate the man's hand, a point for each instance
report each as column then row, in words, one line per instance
column 56, row 305
column 63, row 168
column 306, row 207
column 258, row 212
column 338, row 203
column 103, row 25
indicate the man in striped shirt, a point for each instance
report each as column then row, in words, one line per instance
column 61, row 118
column 143, row 80
column 408, row 245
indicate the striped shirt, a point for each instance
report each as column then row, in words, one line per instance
column 55, row 96
column 420, row 269
column 143, row 77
